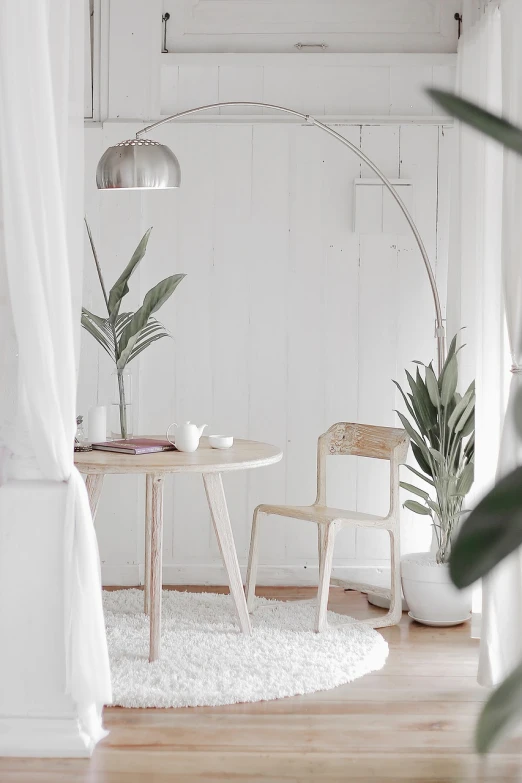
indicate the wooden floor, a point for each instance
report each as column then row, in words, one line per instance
column 412, row 721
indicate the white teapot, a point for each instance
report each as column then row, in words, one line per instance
column 186, row 436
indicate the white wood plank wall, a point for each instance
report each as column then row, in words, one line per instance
column 287, row 322
column 321, row 84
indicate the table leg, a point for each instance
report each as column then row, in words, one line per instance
column 149, row 479
column 156, row 541
column 94, row 484
column 221, row 521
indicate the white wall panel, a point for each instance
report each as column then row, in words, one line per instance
column 343, row 85
column 407, row 90
column 341, row 25
column 287, row 321
column 134, row 49
column 269, row 278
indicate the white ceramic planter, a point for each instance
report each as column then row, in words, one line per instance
column 431, row 596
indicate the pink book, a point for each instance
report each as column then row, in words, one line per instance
column 136, row 445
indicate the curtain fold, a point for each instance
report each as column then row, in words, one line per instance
column 501, row 640
column 474, row 279
column 42, row 195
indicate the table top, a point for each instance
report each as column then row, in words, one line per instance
column 244, row 454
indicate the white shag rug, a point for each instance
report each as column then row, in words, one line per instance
column 206, row 660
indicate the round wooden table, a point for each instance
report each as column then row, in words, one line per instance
column 211, row 463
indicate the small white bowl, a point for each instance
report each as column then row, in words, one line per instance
column 220, row 441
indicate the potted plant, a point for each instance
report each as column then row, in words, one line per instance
column 125, row 335
column 441, row 426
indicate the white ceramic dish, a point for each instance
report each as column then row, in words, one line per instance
column 438, row 623
column 220, row 441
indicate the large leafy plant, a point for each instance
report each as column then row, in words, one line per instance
column 125, row 335
column 442, row 432
column 493, row 530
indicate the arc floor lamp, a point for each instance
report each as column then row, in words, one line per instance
column 142, row 163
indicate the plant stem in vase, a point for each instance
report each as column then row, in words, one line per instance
column 123, row 410
column 121, row 414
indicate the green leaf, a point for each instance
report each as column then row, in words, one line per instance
column 437, row 456
column 140, row 346
column 413, row 386
column 491, row 124
column 421, row 460
column 501, row 710
column 465, row 416
column 427, row 411
column 417, row 508
column 458, row 455
column 491, row 532
column 450, row 378
column 150, row 333
column 416, row 491
column 469, row 426
column 420, row 475
column 469, row 451
column 152, row 302
column 451, row 353
column 101, row 323
column 408, row 404
column 434, row 506
column 465, row 480
column 98, row 328
column 121, row 287
column 121, row 322
column 433, row 386
column 414, row 435
column 460, row 407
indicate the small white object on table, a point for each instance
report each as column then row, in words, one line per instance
column 97, row 424
column 211, row 463
column 220, row 441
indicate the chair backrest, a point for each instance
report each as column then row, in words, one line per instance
column 362, row 440
column 365, row 440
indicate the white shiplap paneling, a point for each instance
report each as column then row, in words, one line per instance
column 329, row 84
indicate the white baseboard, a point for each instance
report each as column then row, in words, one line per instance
column 122, row 575
column 476, row 625
column 214, row 574
column 43, row 738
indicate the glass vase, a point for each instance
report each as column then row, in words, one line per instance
column 121, row 418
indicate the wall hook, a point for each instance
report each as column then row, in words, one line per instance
column 458, row 18
column 165, row 18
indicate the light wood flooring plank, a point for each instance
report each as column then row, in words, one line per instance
column 412, row 721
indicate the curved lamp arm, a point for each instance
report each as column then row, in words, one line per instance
column 439, row 326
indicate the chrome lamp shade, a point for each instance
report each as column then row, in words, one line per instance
column 138, row 164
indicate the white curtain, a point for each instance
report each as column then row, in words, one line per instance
column 474, row 278
column 501, row 640
column 41, row 154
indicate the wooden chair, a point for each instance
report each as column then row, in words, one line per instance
column 361, row 440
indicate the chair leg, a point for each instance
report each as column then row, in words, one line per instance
column 320, row 537
column 393, row 616
column 326, row 548
column 396, row 588
column 253, row 559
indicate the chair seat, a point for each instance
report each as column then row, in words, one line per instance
column 323, row 514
